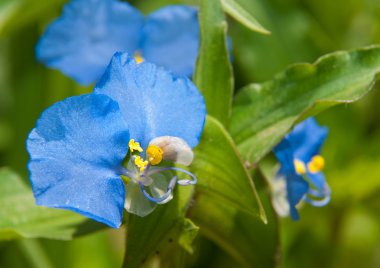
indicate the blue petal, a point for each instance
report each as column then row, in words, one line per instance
column 76, row 152
column 153, row 102
column 296, row 186
column 171, row 38
column 318, row 180
column 307, row 139
column 82, row 41
column 285, row 155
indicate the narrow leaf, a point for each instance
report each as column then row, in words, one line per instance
column 21, row 218
column 264, row 113
column 213, row 74
column 232, row 8
column 221, row 172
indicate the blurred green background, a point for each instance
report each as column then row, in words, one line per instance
column 346, row 233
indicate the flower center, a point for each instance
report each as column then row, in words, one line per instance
column 316, row 164
column 155, row 154
column 141, row 172
column 138, row 57
column 140, row 163
column 134, row 146
column 300, row 167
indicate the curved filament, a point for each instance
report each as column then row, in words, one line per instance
column 166, row 197
column 325, row 195
column 185, row 182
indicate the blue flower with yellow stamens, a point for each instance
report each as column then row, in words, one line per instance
column 99, row 153
column 301, row 165
column 81, row 42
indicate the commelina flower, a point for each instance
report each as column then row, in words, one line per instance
column 81, row 42
column 99, row 153
column 300, row 175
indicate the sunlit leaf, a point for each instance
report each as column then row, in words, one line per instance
column 221, row 172
column 213, row 74
column 264, row 113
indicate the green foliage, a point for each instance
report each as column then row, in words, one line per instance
column 264, row 113
column 213, row 74
column 233, row 8
column 21, row 218
column 161, row 233
column 247, row 238
column 221, row 172
column 225, row 206
column 15, row 14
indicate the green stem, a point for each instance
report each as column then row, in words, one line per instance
column 34, row 253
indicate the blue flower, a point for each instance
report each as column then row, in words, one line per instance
column 99, row 153
column 301, row 165
column 170, row 38
column 82, row 41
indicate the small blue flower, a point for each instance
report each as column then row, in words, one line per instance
column 301, row 165
column 99, row 153
column 82, row 41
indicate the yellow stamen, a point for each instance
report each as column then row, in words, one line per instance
column 138, row 58
column 140, row 163
column 155, row 154
column 299, row 167
column 316, row 164
column 134, row 146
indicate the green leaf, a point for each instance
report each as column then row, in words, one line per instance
column 245, row 237
column 264, row 113
column 221, row 172
column 21, row 218
column 232, row 8
column 213, row 74
column 161, row 233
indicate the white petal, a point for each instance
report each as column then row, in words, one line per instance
column 135, row 201
column 279, row 197
column 175, row 149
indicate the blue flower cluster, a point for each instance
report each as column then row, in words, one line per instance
column 301, row 165
column 99, row 153
column 81, row 42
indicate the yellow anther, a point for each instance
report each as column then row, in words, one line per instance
column 316, row 164
column 140, row 163
column 155, row 154
column 138, row 58
column 134, row 146
column 299, row 167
